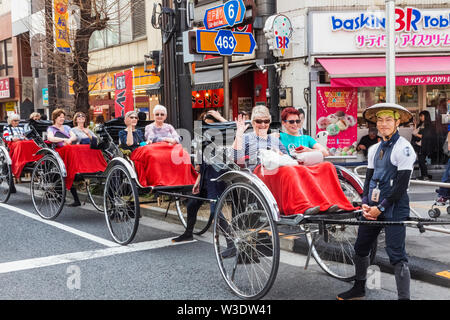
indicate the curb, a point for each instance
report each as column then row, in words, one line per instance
column 433, row 272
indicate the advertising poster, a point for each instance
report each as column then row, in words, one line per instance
column 61, row 25
column 123, row 96
column 337, row 111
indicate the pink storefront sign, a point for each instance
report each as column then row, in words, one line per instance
column 337, row 111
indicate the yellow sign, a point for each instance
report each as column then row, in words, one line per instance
column 10, row 106
column 61, row 25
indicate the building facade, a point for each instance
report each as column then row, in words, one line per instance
column 336, row 64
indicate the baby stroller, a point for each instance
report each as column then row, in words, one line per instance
column 443, row 199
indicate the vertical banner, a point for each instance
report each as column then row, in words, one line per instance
column 61, row 27
column 337, row 112
column 123, row 96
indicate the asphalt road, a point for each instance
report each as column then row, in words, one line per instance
column 74, row 258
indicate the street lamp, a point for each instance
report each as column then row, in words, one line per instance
column 390, row 51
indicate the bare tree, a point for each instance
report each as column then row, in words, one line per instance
column 86, row 17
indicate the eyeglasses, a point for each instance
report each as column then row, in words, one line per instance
column 160, row 114
column 259, row 121
column 81, row 116
column 132, row 117
column 293, row 121
column 15, row 120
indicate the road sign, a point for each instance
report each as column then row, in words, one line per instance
column 224, row 42
column 225, row 15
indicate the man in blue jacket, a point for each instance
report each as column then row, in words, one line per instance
column 385, row 198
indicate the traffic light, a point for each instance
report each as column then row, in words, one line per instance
column 152, row 61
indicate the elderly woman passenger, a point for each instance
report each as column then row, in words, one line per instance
column 83, row 134
column 159, row 131
column 248, row 144
column 12, row 132
column 131, row 138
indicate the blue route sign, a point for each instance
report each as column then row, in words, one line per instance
column 225, row 42
column 225, row 15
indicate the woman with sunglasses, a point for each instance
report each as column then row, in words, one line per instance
column 292, row 138
column 131, row 138
column 297, row 189
column 159, row 131
column 83, row 134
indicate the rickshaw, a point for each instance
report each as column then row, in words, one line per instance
column 251, row 217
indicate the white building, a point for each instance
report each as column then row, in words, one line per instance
column 336, row 60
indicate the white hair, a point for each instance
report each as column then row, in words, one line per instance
column 129, row 113
column 159, row 107
column 12, row 117
column 261, row 112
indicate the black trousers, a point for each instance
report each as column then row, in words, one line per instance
column 422, row 164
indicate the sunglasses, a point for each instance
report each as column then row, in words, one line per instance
column 259, row 121
column 293, row 121
column 160, row 114
column 80, row 116
column 133, row 117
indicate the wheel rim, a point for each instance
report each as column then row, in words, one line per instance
column 121, row 205
column 47, row 188
column 242, row 217
column 5, row 178
column 334, row 250
column 93, row 190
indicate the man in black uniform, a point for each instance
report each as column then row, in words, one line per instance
column 385, row 198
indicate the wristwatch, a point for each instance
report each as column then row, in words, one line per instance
column 381, row 208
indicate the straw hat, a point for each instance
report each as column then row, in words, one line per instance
column 370, row 114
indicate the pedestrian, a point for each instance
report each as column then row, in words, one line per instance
column 385, row 198
column 444, row 193
column 368, row 140
column 425, row 142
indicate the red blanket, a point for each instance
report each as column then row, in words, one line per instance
column 80, row 158
column 297, row 188
column 21, row 153
column 162, row 164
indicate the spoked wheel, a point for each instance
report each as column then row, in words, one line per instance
column 95, row 189
column 332, row 246
column 121, row 205
column 48, row 190
column 5, row 178
column 200, row 227
column 246, row 241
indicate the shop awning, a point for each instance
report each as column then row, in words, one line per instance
column 371, row 72
column 213, row 79
column 153, row 89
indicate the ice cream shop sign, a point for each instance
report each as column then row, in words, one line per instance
column 349, row 32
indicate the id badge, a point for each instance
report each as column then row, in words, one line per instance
column 375, row 195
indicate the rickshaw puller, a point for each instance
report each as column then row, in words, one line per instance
column 385, row 198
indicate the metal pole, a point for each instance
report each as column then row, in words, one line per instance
column 390, row 51
column 226, row 90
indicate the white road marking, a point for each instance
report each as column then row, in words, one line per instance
column 84, row 255
column 60, row 226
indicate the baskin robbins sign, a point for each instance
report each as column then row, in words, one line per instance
column 417, row 30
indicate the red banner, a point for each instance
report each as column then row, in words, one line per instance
column 123, row 97
column 337, row 112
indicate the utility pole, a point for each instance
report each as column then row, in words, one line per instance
column 184, row 92
column 266, row 8
column 390, row 51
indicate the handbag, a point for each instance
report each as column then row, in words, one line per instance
column 308, row 158
column 271, row 159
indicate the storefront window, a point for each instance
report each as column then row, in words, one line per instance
column 407, row 96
